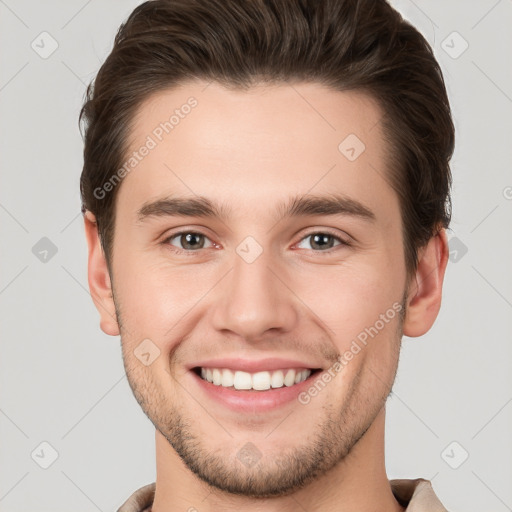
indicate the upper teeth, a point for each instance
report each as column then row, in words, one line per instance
column 260, row 380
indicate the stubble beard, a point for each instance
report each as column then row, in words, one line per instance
column 327, row 444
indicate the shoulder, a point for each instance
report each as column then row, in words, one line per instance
column 417, row 495
column 140, row 501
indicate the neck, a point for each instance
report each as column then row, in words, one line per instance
column 358, row 483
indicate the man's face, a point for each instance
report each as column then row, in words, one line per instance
column 257, row 291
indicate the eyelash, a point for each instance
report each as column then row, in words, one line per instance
column 177, row 250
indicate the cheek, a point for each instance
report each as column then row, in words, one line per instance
column 364, row 315
column 346, row 299
column 154, row 297
column 162, row 301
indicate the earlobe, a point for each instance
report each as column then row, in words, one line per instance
column 425, row 289
column 99, row 279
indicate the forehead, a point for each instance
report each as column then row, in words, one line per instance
column 252, row 146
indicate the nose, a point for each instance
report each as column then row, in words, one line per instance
column 253, row 299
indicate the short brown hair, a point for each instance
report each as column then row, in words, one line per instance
column 362, row 45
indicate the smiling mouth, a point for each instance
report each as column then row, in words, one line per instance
column 258, row 381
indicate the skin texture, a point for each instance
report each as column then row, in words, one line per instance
column 252, row 150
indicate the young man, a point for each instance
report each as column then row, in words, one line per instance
column 266, row 191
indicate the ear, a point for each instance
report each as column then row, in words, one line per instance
column 425, row 288
column 100, row 285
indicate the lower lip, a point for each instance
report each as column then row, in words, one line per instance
column 253, row 401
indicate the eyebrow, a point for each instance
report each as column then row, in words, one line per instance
column 295, row 206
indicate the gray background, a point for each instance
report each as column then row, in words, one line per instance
column 61, row 379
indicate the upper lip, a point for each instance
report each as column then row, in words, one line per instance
column 253, row 366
